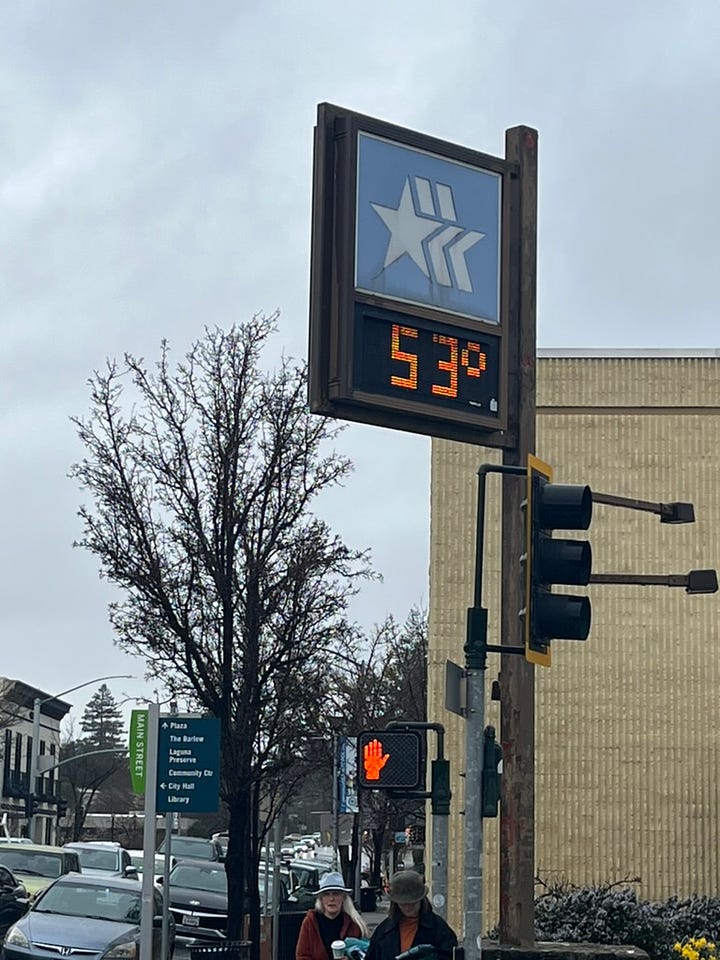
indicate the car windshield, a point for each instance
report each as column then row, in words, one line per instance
column 187, row 847
column 212, row 879
column 97, row 859
column 84, row 900
column 32, row 863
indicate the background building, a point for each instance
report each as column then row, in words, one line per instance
column 16, row 715
column 627, row 754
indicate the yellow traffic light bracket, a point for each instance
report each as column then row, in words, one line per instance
column 536, row 469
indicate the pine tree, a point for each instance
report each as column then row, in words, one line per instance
column 102, row 722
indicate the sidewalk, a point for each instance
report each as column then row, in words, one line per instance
column 374, row 917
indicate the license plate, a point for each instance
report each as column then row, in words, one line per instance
column 188, row 920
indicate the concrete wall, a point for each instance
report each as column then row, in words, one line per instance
column 627, row 756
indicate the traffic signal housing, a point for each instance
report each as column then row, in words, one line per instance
column 549, row 562
column 491, row 776
column 391, row 759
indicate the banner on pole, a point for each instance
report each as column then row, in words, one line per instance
column 347, row 779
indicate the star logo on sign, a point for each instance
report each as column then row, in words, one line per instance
column 407, row 230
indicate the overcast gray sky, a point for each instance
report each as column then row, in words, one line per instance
column 155, row 176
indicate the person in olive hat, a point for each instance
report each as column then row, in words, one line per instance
column 334, row 917
column 410, row 921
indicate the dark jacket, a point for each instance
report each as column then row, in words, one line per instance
column 310, row 945
column 385, row 941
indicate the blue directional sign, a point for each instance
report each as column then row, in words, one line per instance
column 428, row 229
column 188, row 764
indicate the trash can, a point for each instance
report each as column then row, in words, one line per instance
column 368, row 899
column 222, row 950
column 288, row 931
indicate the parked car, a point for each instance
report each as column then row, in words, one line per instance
column 306, row 876
column 110, row 911
column 137, row 858
column 288, row 883
column 103, row 859
column 198, row 899
column 193, row 848
column 37, row 865
column 14, row 901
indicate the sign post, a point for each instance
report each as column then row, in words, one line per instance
column 147, row 908
column 180, row 771
column 422, row 318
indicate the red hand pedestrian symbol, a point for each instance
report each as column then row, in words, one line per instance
column 374, row 759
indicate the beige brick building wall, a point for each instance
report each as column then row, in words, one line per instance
column 627, row 753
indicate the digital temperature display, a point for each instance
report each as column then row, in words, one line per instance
column 433, row 363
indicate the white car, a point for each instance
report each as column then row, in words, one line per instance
column 138, row 859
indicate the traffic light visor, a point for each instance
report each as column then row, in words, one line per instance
column 563, row 506
column 562, row 616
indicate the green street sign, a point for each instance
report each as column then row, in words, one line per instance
column 138, row 749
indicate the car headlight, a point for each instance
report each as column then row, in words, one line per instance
column 16, row 937
column 127, row 950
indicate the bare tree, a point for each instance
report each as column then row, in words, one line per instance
column 85, row 772
column 387, row 682
column 234, row 592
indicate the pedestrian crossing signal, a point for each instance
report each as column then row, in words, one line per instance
column 391, row 759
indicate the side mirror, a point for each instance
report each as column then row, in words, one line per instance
column 131, row 871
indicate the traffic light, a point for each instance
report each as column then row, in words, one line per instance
column 391, row 760
column 62, row 808
column 31, row 806
column 492, row 758
column 548, row 562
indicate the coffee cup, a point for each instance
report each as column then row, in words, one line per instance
column 338, row 949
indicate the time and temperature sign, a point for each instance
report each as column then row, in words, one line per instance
column 410, row 324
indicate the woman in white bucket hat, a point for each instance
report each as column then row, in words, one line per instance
column 334, row 917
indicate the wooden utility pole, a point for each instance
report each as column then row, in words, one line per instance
column 517, row 683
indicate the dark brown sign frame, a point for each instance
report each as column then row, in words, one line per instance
column 338, row 309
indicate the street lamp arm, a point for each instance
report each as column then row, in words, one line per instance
column 78, row 756
column 79, row 686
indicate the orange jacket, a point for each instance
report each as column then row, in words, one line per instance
column 310, row 945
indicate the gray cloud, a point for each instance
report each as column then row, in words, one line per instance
column 155, row 177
